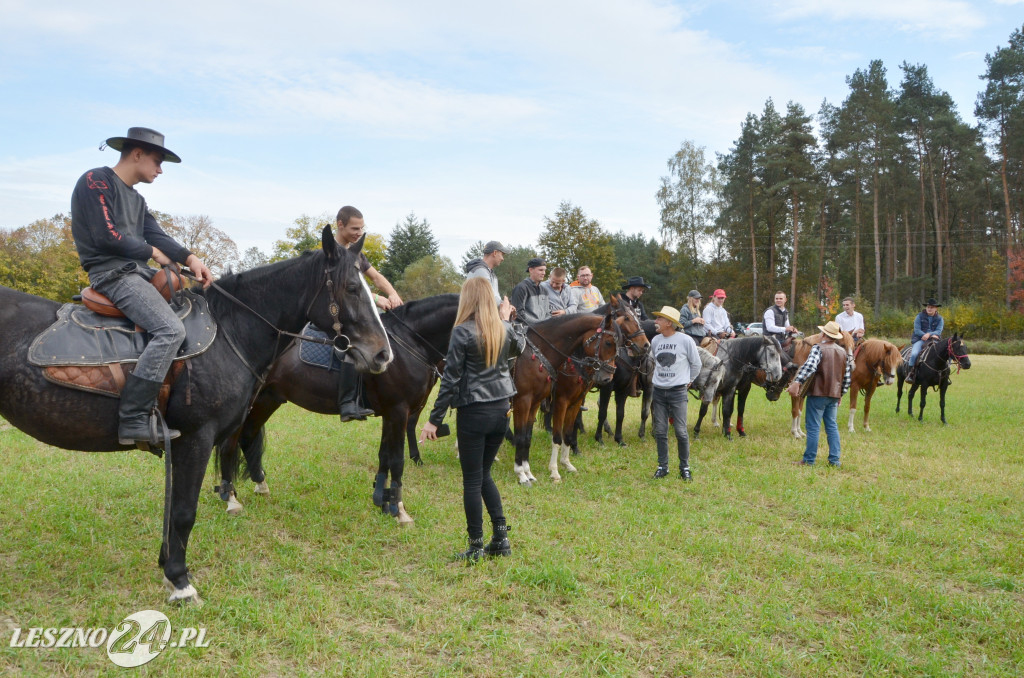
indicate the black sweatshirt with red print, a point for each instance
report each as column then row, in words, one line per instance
column 112, row 225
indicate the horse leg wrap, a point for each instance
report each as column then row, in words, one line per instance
column 378, row 488
column 224, row 490
column 396, row 497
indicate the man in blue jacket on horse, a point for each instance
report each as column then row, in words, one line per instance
column 928, row 325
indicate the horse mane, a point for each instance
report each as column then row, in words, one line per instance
column 259, row 278
column 424, row 306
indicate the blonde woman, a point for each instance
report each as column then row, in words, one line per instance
column 691, row 319
column 477, row 384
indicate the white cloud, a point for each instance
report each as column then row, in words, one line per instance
column 938, row 17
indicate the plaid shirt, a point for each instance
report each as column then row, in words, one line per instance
column 809, row 367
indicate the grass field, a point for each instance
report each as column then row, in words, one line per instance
column 907, row 561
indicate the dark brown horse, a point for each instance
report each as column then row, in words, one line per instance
column 419, row 333
column 630, row 365
column 875, row 359
column 570, row 349
column 210, row 403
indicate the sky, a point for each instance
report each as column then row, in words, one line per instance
column 479, row 118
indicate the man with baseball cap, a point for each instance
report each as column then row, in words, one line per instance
column 676, row 365
column 116, row 236
column 716, row 318
column 483, row 267
column 529, row 300
column 830, row 366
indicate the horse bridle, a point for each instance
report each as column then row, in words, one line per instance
column 592, row 364
column 412, row 351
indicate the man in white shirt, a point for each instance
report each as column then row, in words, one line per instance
column 850, row 320
column 716, row 318
column 776, row 319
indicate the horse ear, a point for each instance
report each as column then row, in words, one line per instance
column 329, row 244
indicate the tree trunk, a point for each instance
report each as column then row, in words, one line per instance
column 1009, row 222
column 753, row 249
column 938, row 230
column 796, row 246
column 878, row 247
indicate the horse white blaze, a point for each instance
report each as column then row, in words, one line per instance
column 376, row 316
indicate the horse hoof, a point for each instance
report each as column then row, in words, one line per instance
column 235, row 507
column 418, row 461
column 185, row 596
column 556, row 479
column 622, row 444
column 525, row 483
column 404, row 519
column 728, row 436
column 262, row 488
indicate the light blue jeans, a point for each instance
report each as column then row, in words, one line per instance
column 817, row 408
column 915, row 351
column 130, row 290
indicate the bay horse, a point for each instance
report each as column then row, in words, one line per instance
column 419, row 332
column 254, row 310
column 932, row 369
column 801, row 351
column 874, row 360
column 741, row 358
column 628, row 365
column 569, row 350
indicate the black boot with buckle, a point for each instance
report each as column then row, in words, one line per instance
column 474, row 552
column 499, row 544
column 138, row 400
column 350, row 391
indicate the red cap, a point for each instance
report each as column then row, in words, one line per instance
column 719, row 293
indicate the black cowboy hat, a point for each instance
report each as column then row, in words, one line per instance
column 146, row 138
column 931, row 302
column 636, row 281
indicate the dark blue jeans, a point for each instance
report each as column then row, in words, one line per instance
column 130, row 290
column 816, row 409
column 670, row 402
column 480, row 428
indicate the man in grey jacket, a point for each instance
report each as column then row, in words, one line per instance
column 530, row 301
column 494, row 254
column 560, row 297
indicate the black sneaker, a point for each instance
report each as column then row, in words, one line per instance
column 685, row 474
column 661, row 472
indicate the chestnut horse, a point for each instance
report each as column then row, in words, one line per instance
column 801, row 350
column 256, row 311
column 574, row 351
column 875, row 359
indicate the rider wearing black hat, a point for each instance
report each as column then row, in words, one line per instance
column 116, row 236
column 927, row 325
column 634, row 289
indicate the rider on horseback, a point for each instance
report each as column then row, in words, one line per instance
column 116, row 236
column 927, row 325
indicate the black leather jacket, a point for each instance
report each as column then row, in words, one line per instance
column 466, row 379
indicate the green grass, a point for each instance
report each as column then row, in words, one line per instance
column 905, row 562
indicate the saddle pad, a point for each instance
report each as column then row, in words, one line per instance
column 317, row 355
column 81, row 337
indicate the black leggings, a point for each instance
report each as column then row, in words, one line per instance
column 481, row 429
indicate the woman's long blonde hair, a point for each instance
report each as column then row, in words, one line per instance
column 693, row 303
column 476, row 302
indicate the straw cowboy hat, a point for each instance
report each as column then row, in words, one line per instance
column 671, row 314
column 831, row 329
column 145, row 137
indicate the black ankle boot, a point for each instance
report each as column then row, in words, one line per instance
column 474, row 552
column 499, row 545
column 138, row 399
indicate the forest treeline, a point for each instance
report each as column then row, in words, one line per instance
column 889, row 196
